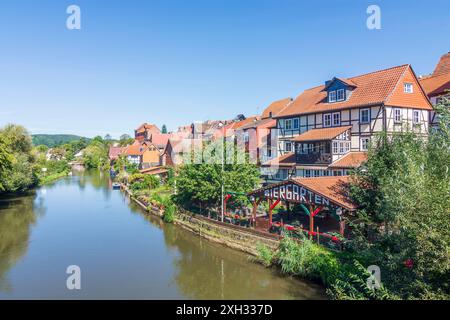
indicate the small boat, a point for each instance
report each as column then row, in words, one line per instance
column 116, row 185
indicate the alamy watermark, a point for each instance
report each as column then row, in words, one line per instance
column 73, row 22
column 373, row 22
column 374, row 280
column 73, row 281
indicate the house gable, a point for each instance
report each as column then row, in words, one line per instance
column 416, row 100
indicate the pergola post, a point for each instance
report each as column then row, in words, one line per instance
column 311, row 220
column 255, row 208
column 270, row 213
column 342, row 227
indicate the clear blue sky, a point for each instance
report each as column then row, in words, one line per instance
column 175, row 62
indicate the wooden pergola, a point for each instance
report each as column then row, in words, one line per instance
column 312, row 194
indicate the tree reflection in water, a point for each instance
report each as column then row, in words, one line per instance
column 17, row 215
column 211, row 271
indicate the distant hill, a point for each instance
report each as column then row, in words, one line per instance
column 54, row 140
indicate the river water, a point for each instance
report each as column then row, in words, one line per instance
column 122, row 252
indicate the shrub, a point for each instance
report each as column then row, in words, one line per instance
column 265, row 255
column 169, row 213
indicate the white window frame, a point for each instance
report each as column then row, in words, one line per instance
column 365, row 144
column 332, row 96
column 342, row 91
column 397, row 112
column 325, row 120
column 286, row 124
column 338, row 117
column 408, row 87
column 286, row 146
column 335, row 147
column 361, row 118
column 307, row 173
column 416, row 113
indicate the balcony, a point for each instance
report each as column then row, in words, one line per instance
column 313, row 158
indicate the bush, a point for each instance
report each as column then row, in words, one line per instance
column 142, row 182
column 169, row 213
column 265, row 255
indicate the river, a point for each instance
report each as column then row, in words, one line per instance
column 122, row 252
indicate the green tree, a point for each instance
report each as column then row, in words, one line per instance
column 6, row 160
column 201, row 183
column 404, row 197
column 164, row 129
column 21, row 171
column 125, row 140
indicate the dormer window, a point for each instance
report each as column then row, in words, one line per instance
column 340, row 95
column 332, row 96
column 408, row 87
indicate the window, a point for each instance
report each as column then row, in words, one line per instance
column 307, row 173
column 337, row 173
column 336, row 119
column 288, row 124
column 365, row 144
column 316, row 173
column 341, row 147
column 408, row 87
column 340, row 95
column 288, row 146
column 365, row 116
column 327, row 120
column 335, row 147
column 332, row 96
column 397, row 115
column 296, row 123
column 416, row 116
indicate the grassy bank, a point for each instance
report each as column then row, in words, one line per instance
column 52, row 177
column 342, row 273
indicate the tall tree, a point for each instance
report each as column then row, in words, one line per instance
column 404, row 197
column 164, row 129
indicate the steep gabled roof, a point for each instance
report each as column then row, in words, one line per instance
column 443, row 65
column 150, row 127
column 373, row 88
column 275, row 107
column 436, row 85
column 439, row 81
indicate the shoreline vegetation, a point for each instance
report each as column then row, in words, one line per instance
column 401, row 225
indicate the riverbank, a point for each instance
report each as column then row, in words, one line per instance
column 235, row 237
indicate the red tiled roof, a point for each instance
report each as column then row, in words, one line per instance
column 333, row 188
column 160, row 139
column 261, row 124
column 134, row 150
column 286, row 160
column 321, row 134
column 350, row 160
column 145, row 126
column 275, row 107
column 436, row 85
column 443, row 65
column 371, row 89
column 114, row 152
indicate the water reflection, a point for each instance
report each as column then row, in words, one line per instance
column 124, row 252
column 17, row 216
